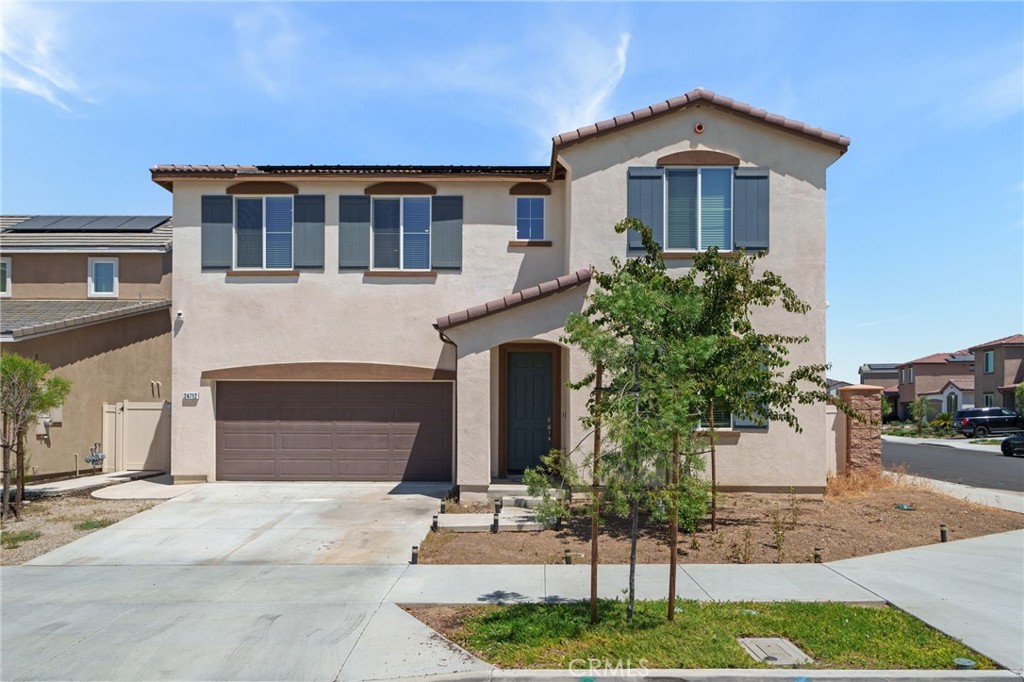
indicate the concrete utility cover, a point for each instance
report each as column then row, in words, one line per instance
column 774, row 651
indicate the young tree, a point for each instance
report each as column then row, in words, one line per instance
column 1018, row 397
column 921, row 409
column 25, row 391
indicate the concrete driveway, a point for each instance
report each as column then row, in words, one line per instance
column 232, row 581
column 267, row 523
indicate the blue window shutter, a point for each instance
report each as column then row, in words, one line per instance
column 750, row 209
column 446, row 233
column 309, row 231
column 645, row 199
column 354, row 232
column 217, row 230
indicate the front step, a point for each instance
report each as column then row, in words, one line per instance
column 514, row 519
column 521, row 502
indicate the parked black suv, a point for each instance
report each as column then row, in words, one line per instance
column 980, row 421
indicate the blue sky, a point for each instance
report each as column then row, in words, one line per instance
column 925, row 213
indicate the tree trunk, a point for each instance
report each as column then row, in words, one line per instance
column 595, row 495
column 20, row 494
column 674, row 530
column 634, row 528
column 6, row 473
column 714, row 474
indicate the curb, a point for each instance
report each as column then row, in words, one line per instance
column 730, row 675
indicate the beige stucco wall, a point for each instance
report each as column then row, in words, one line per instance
column 65, row 275
column 108, row 362
column 779, row 458
column 332, row 316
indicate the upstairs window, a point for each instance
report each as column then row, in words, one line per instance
column 990, row 361
column 5, row 277
column 401, row 233
column 698, row 209
column 103, row 277
column 530, row 218
column 263, row 233
column 910, row 375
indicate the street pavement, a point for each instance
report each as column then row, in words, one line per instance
column 180, row 594
column 955, row 464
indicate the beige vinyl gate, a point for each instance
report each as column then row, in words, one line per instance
column 137, row 436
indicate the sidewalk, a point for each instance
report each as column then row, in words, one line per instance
column 1010, row 500
column 955, row 443
column 86, row 482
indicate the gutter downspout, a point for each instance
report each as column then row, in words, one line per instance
column 455, row 395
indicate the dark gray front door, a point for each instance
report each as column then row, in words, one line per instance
column 529, row 409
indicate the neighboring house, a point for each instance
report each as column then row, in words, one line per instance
column 956, row 394
column 403, row 322
column 90, row 296
column 879, row 373
column 998, row 371
column 835, row 384
column 929, row 376
column 892, row 395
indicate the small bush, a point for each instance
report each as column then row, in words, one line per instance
column 92, row 524
column 14, row 539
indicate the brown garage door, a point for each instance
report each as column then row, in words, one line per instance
column 334, row 431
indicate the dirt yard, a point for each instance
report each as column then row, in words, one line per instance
column 751, row 529
column 55, row 518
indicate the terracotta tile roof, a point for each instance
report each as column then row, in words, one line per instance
column 1013, row 340
column 963, row 383
column 24, row 317
column 693, row 97
column 940, row 358
column 891, row 389
column 514, row 300
column 1009, row 387
column 14, row 239
column 230, row 171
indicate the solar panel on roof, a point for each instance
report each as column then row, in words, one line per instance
column 42, row 223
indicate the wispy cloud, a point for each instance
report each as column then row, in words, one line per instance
column 268, row 42
column 32, row 41
column 876, row 323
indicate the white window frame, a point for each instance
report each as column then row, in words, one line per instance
column 544, row 219
column 401, row 233
column 990, row 362
column 234, row 232
column 7, row 278
column 910, row 376
column 92, row 284
column 700, row 209
column 988, row 400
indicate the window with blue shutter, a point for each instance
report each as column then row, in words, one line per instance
column 693, row 209
column 264, row 233
column 401, row 233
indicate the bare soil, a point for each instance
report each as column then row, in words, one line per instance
column 55, row 518
column 849, row 522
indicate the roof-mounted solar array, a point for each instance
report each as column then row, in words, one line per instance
column 89, row 223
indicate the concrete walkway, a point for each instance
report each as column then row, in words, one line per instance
column 86, row 482
column 244, row 581
column 1010, row 500
column 156, row 488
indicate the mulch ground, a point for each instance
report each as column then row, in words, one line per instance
column 55, row 519
column 751, row 528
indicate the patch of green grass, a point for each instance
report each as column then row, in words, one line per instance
column 704, row 635
column 986, row 441
column 14, row 539
column 92, row 524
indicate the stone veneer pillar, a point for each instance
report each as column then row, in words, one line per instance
column 863, row 444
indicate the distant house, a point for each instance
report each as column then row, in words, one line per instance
column 998, row 372
column 929, row 376
column 879, row 373
column 956, row 394
column 835, row 384
column 90, row 296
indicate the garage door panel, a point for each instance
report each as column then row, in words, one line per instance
column 334, row 431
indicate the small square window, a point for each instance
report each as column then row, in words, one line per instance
column 5, row 277
column 529, row 218
column 103, row 277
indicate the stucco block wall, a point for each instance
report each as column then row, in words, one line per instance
column 65, row 275
column 105, row 363
column 335, row 316
column 862, row 440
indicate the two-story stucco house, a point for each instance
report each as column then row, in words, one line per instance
column 90, row 297
column 403, row 322
column 945, row 379
column 998, row 370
